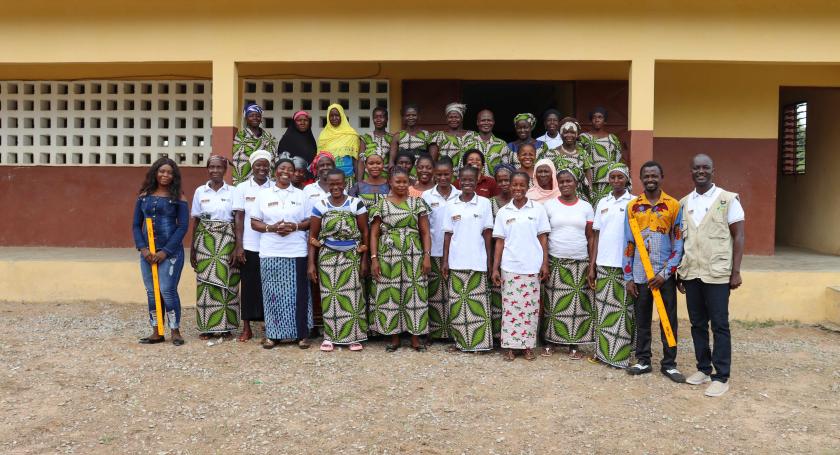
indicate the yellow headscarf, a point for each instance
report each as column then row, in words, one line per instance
column 341, row 140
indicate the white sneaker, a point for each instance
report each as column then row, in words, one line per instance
column 717, row 389
column 698, row 378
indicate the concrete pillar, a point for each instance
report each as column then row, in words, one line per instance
column 226, row 115
column 641, row 103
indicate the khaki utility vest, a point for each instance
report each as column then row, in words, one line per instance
column 708, row 246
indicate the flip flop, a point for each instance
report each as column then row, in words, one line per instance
column 356, row 346
column 509, row 356
column 392, row 348
column 269, row 344
column 303, row 343
column 547, row 351
column 574, row 354
column 529, row 355
column 326, row 346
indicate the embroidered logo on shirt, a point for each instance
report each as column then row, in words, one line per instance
column 250, row 198
column 435, row 204
column 273, row 204
column 456, row 218
column 204, row 201
column 510, row 221
column 604, row 211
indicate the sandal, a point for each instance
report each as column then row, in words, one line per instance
column 547, row 351
column 303, row 343
column 268, row 343
column 149, row 340
column 574, row 354
column 509, row 356
column 204, row 336
column 326, row 346
column 529, row 354
column 593, row 360
column 356, row 346
column 419, row 348
column 392, row 348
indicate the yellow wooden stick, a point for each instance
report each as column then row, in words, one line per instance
column 158, row 309
column 657, row 296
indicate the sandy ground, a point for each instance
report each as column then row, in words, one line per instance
column 74, row 380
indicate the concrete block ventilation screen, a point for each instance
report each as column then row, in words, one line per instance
column 105, row 122
column 280, row 99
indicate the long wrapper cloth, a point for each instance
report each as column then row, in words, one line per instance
column 158, row 308
column 657, row 295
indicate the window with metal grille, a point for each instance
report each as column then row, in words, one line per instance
column 794, row 136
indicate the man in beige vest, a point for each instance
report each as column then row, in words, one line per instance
column 713, row 232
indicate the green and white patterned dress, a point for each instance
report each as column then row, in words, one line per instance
column 244, row 144
column 342, row 299
column 217, row 291
column 454, row 146
column 495, row 152
column 604, row 152
column 400, row 301
column 377, row 145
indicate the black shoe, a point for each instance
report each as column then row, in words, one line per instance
column 148, row 340
column 638, row 369
column 178, row 341
column 674, row 375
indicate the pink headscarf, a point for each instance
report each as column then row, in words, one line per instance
column 325, row 154
column 300, row 114
column 536, row 193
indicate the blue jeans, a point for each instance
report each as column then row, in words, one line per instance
column 169, row 274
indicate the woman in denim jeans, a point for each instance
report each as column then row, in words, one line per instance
column 161, row 200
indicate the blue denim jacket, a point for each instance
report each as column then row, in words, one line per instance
column 170, row 220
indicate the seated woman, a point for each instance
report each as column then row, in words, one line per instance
column 341, row 141
column 160, row 198
column 281, row 214
column 211, row 256
column 338, row 236
column 400, row 245
column 567, row 306
column 520, row 263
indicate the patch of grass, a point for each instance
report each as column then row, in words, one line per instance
column 106, row 439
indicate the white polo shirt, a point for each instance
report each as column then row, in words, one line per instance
column 245, row 198
column 213, row 205
column 438, row 204
column 290, row 205
column 551, row 142
column 610, row 216
column 567, row 239
column 520, row 228
column 467, row 221
column 697, row 205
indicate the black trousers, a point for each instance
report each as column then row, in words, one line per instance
column 644, row 318
column 709, row 303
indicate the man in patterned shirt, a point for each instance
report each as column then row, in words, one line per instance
column 495, row 150
column 658, row 216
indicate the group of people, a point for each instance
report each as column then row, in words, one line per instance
column 453, row 235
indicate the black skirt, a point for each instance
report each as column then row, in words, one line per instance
column 251, row 286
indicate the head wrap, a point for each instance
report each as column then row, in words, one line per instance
column 341, row 140
column 528, row 117
column 598, row 110
column 301, row 114
column 570, row 171
column 455, row 107
column 621, row 167
column 570, row 124
column 259, row 155
column 217, row 157
column 537, row 193
column 300, row 163
column 253, row 107
column 314, row 166
column 505, row 166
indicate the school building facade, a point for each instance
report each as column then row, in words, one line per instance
column 91, row 93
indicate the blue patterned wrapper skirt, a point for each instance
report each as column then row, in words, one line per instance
column 286, row 300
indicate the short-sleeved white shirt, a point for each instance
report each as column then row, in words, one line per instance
column 520, row 228
column 697, row 205
column 213, row 205
column 567, row 239
column 282, row 204
column 467, row 222
column 551, row 142
column 438, row 204
column 244, row 201
column 314, row 192
column 610, row 216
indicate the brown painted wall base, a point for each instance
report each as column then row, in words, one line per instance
column 743, row 166
column 75, row 206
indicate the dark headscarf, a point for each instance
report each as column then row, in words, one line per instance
column 298, row 144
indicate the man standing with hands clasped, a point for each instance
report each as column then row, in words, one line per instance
column 711, row 267
column 658, row 216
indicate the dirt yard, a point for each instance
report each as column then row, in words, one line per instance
column 74, row 380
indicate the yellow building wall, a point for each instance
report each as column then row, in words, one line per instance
column 809, row 204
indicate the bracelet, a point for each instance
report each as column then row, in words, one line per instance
column 427, row 253
column 296, row 226
column 267, row 228
column 373, row 256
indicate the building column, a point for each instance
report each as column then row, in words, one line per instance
column 395, row 103
column 641, row 115
column 225, row 106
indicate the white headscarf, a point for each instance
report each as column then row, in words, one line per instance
column 259, row 155
column 456, row 107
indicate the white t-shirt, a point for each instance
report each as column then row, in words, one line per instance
column 245, row 198
column 282, row 204
column 438, row 204
column 567, row 239
column 697, row 205
column 467, row 222
column 520, row 227
column 213, row 205
column 610, row 218
column 551, row 142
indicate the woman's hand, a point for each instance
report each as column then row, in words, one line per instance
column 444, row 269
column 147, row 255
column 375, row 272
column 496, row 277
column 239, row 256
column 159, row 257
column 427, row 264
column 544, row 272
column 313, row 274
column 591, row 278
column 631, row 288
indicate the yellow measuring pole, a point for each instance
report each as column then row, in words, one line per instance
column 657, row 296
column 158, row 309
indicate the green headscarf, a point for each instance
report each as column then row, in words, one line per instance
column 528, row 117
